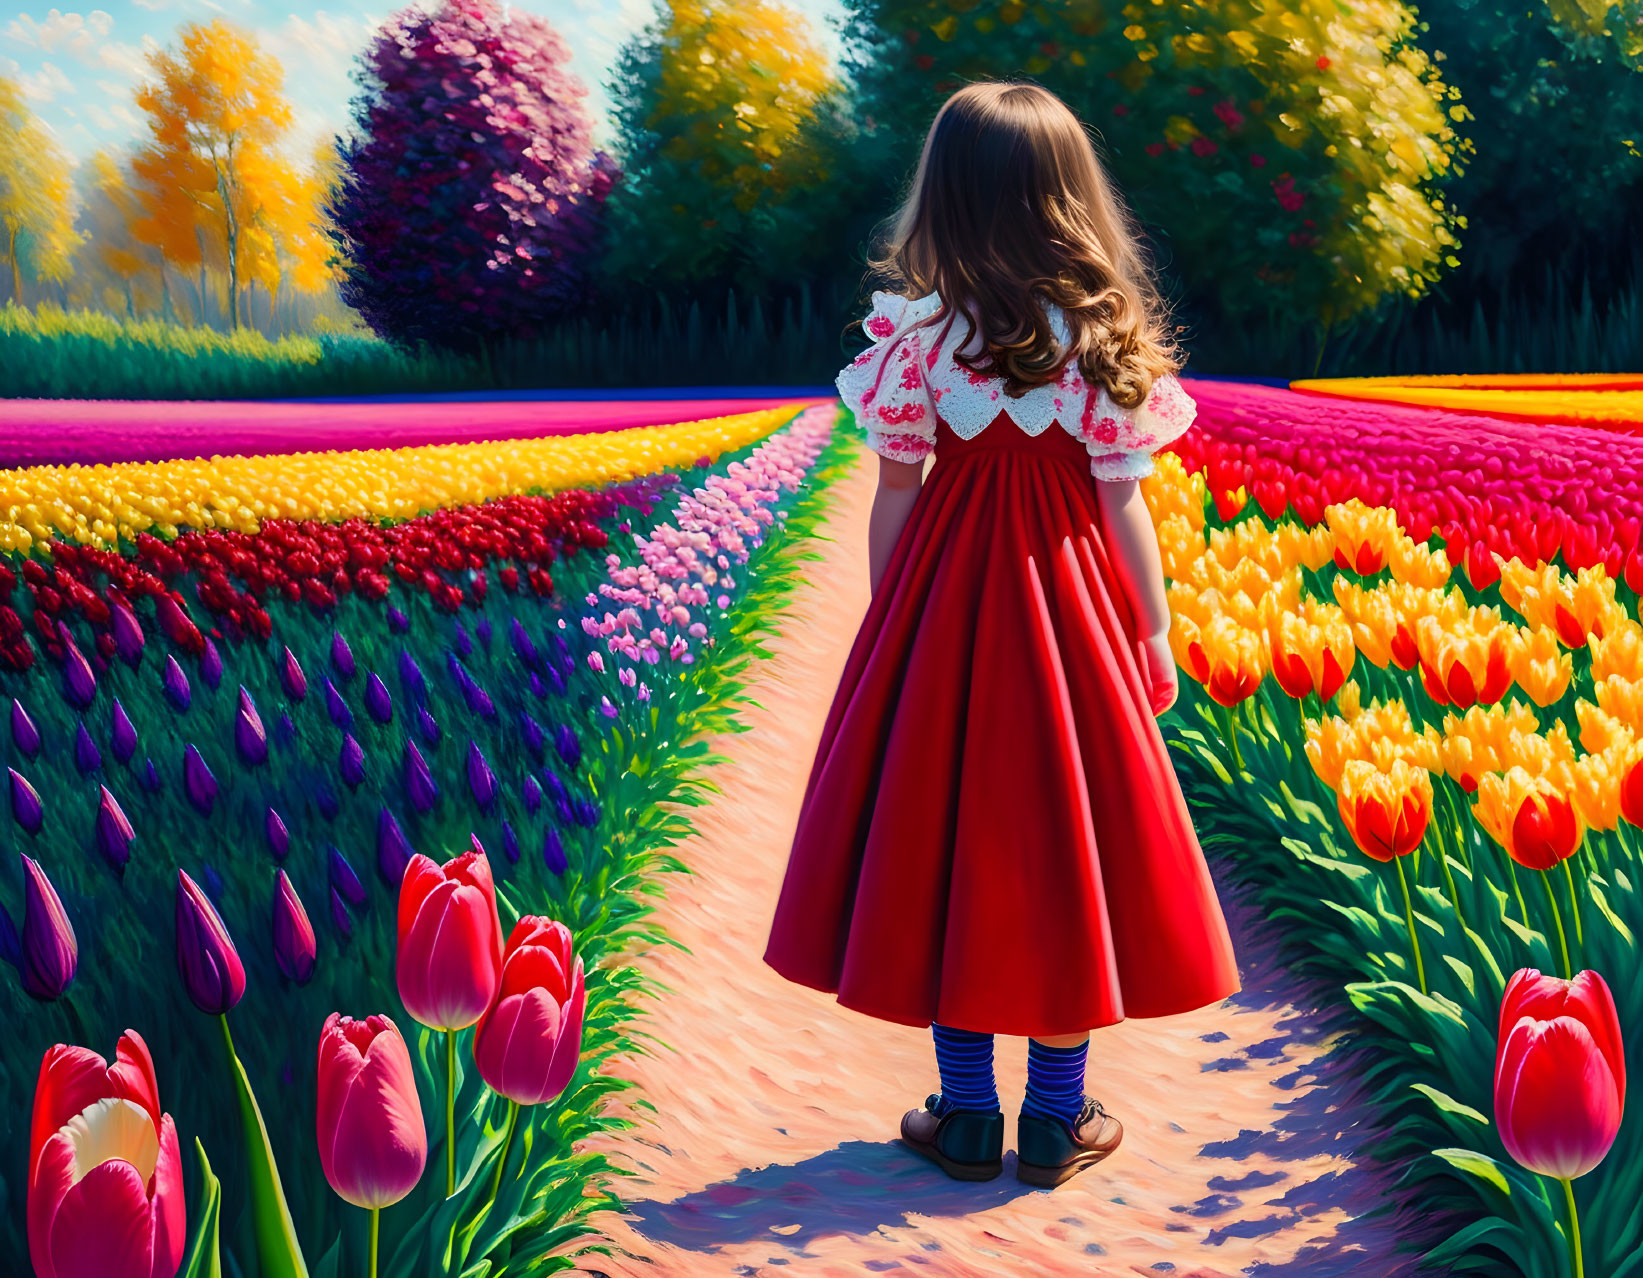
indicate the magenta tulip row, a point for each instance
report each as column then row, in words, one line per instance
column 688, row 565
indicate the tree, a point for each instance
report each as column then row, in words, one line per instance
column 470, row 201
column 1319, row 130
column 110, row 209
column 36, row 217
column 217, row 115
column 731, row 123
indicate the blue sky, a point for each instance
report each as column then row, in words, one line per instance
column 79, row 67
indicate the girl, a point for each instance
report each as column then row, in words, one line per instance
column 992, row 840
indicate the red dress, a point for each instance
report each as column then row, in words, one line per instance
column 992, row 836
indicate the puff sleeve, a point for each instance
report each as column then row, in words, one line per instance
column 1121, row 441
column 887, row 386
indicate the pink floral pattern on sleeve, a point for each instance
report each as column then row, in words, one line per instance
column 887, row 387
column 1121, row 441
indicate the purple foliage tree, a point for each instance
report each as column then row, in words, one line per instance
column 470, row 199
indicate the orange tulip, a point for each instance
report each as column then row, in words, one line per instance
column 1371, row 616
column 1236, row 659
column 1623, row 699
column 1418, row 565
column 1618, row 652
column 1531, row 817
column 1312, row 651
column 1541, row 668
column 1470, row 663
column 1363, row 535
column 1410, row 603
column 1574, row 607
column 1386, row 813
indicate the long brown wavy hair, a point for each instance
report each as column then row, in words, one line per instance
column 1011, row 204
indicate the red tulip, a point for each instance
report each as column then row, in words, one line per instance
column 450, row 941
column 1560, row 1072
column 372, row 1142
column 105, row 1191
column 528, row 1043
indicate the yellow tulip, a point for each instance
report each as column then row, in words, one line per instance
column 1618, row 651
column 1385, row 812
column 1575, row 608
column 1417, row 564
column 1623, row 699
column 1364, row 535
column 1541, row 668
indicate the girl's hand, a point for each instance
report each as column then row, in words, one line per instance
column 1158, row 672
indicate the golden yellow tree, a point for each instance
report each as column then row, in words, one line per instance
column 36, row 188
column 216, row 116
column 111, row 209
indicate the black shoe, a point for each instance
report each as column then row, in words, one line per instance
column 1050, row 1151
column 967, row 1144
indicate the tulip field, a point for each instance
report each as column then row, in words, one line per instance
column 338, row 784
column 1413, row 719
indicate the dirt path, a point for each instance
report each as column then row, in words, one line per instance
column 773, row 1148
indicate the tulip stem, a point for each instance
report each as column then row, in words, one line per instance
column 1574, row 1228
column 1229, row 729
column 1449, row 877
column 1409, row 917
column 1574, row 902
column 1517, row 889
column 507, row 1148
column 450, row 1112
column 376, row 1219
column 1557, row 917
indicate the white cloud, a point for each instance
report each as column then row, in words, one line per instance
column 79, row 34
column 318, row 54
column 46, row 83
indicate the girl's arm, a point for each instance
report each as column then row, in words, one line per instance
column 1133, row 545
column 899, row 484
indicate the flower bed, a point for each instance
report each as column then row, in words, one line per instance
column 219, row 814
column 1594, row 400
column 1435, row 783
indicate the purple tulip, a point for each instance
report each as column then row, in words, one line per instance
column 49, row 951
column 210, row 966
column 292, row 677
column 294, row 946
column 533, row 795
column 377, row 700
column 87, row 757
column 325, row 799
column 150, row 777
column 250, row 739
column 479, row 701
column 339, row 915
column 114, row 833
column 343, row 878
column 464, row 645
column 565, row 742
column 587, row 813
column 352, row 763
column 567, row 658
column 553, row 851
column 524, row 647
column 26, row 808
column 535, row 741
column 420, row 786
column 538, row 688
column 337, row 708
column 123, row 736
column 24, row 735
column 175, row 683
column 482, row 630
column 398, row 622
column 510, row 843
column 342, row 656
column 564, row 810
column 394, row 850
column 457, row 671
column 427, row 726
column 198, row 782
column 410, row 676
column 481, row 780
column 556, row 680
column 128, row 633
column 211, row 665
column 555, row 786
column 279, row 838
column 285, row 732
column 79, row 683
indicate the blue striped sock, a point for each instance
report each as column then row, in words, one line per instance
column 966, row 1063
column 1055, row 1080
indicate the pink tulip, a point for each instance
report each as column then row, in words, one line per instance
column 528, row 1043
column 1560, row 1073
column 450, row 941
column 105, row 1190
column 372, row 1143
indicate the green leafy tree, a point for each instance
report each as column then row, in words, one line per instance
column 36, row 189
column 1319, row 130
column 731, row 128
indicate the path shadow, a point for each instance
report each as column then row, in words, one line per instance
column 856, row 1188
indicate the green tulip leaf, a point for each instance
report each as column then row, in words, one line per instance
column 1479, row 1165
column 203, row 1259
column 1448, row 1103
column 277, row 1247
